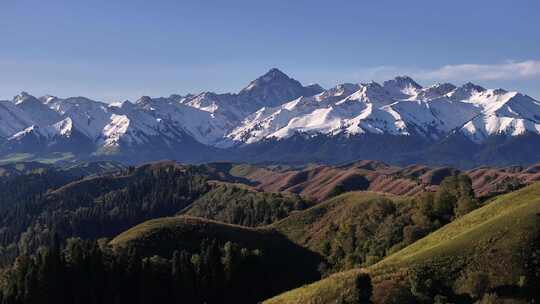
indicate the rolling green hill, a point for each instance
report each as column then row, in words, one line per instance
column 284, row 265
column 336, row 288
column 495, row 239
column 500, row 241
column 357, row 229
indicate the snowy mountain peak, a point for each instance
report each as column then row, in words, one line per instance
column 443, row 88
column 144, row 100
column 275, row 88
column 341, row 90
column 48, row 99
column 126, row 104
column 24, row 97
column 472, row 86
column 272, row 106
column 62, row 128
column 402, row 82
column 402, row 87
column 372, row 92
column 372, row 85
column 273, row 74
column 466, row 91
column 404, row 79
column 436, row 90
column 273, row 77
column 40, row 113
column 314, row 87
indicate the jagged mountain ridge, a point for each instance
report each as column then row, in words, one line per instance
column 398, row 107
column 272, row 108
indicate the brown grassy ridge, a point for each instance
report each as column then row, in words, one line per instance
column 320, row 182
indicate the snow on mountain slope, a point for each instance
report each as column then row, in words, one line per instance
column 503, row 112
column 402, row 87
column 12, row 119
column 88, row 116
column 435, row 91
column 206, row 127
column 40, row 113
column 132, row 129
column 270, row 90
column 162, row 120
column 331, row 112
column 63, row 128
column 300, row 115
column 227, row 105
column 436, row 117
column 398, row 107
column 482, row 127
column 275, row 106
column 338, row 92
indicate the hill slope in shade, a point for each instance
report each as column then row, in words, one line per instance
column 288, row 265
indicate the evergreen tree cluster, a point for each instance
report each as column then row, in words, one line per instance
column 91, row 272
column 235, row 205
column 35, row 207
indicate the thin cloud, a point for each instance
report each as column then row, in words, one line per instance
column 515, row 75
column 523, row 70
column 509, row 71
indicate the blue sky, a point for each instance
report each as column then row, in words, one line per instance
column 116, row 50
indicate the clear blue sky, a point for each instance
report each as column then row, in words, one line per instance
column 115, row 50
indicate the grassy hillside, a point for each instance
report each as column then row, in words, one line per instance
column 337, row 288
column 500, row 241
column 357, row 228
column 493, row 239
column 15, row 169
column 47, row 158
column 303, row 227
column 164, row 235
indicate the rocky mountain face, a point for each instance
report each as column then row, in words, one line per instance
column 277, row 119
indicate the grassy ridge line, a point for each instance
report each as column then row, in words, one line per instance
column 180, row 225
column 505, row 214
column 325, row 291
column 489, row 239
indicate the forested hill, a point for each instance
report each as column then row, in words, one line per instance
column 57, row 204
column 218, row 232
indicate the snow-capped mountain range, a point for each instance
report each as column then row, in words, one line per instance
column 272, row 108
